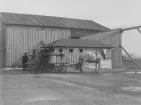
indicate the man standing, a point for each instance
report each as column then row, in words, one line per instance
column 24, row 61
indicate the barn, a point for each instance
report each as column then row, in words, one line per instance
column 21, row 33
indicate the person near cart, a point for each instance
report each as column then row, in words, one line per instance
column 24, row 61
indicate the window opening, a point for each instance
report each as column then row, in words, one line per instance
column 71, row 50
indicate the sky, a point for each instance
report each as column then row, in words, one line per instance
column 110, row 13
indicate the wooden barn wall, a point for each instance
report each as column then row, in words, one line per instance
column 114, row 40
column 70, row 57
column 76, row 33
column 21, row 39
column 116, row 58
column 2, row 44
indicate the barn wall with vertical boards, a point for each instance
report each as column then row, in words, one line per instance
column 2, row 44
column 70, row 57
column 77, row 33
column 113, row 39
column 21, row 39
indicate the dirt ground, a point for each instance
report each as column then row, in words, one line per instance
column 118, row 82
column 116, row 88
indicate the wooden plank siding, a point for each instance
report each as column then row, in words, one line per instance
column 2, row 44
column 78, row 33
column 21, row 39
column 1, row 54
column 70, row 57
column 116, row 58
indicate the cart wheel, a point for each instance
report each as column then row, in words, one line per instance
column 62, row 68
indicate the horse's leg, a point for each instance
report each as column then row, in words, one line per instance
column 81, row 66
column 95, row 67
column 99, row 66
column 81, row 69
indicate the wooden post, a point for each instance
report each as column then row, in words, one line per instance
column 130, row 57
column 139, row 30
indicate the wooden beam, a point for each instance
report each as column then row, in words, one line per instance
column 111, row 33
column 131, row 28
column 120, row 30
column 139, row 30
column 130, row 57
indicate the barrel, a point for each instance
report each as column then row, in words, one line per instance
column 52, row 59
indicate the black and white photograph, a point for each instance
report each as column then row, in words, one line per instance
column 70, row 52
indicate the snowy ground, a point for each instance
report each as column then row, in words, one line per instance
column 71, row 88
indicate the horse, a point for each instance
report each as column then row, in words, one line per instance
column 90, row 57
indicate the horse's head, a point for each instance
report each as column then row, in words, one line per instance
column 103, row 54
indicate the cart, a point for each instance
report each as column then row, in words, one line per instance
column 42, row 64
column 45, row 65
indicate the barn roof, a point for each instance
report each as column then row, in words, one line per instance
column 78, row 43
column 40, row 20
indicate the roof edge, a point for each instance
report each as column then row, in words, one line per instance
column 101, row 27
column 43, row 15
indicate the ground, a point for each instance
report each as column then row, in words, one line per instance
column 71, row 88
column 130, row 64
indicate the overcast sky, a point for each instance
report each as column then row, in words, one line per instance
column 110, row 13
